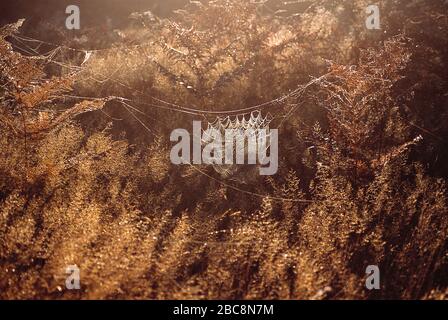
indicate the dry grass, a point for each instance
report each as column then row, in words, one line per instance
column 75, row 190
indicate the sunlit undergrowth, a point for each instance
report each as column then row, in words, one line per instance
column 88, row 181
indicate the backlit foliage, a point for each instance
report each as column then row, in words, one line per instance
column 88, row 181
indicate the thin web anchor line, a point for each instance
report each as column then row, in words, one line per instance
column 194, row 111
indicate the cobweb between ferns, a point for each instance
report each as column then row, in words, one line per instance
column 76, row 64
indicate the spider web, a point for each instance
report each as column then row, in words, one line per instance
column 251, row 127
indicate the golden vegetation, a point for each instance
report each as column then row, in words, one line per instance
column 365, row 146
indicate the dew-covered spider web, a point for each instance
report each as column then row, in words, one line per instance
column 244, row 129
column 253, row 120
